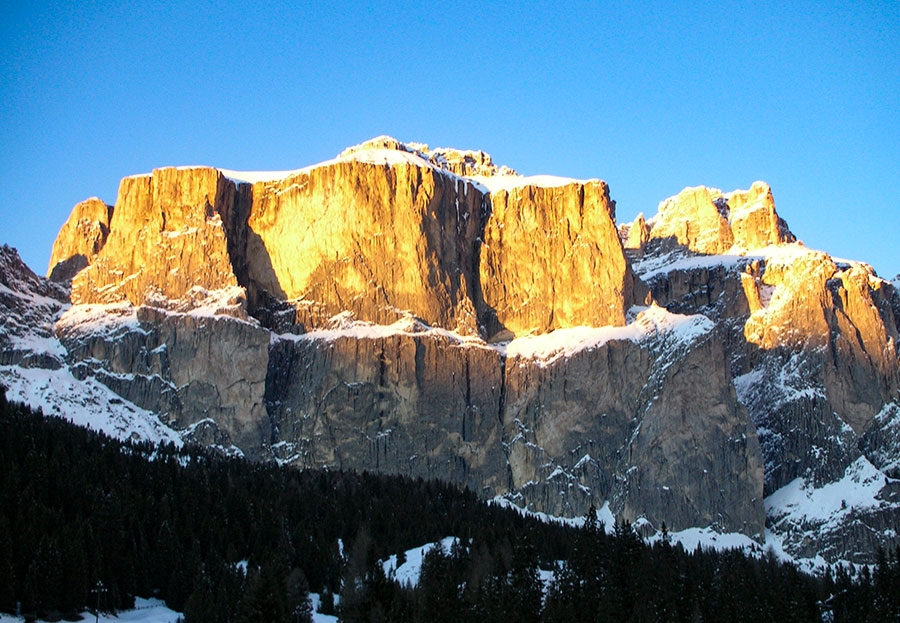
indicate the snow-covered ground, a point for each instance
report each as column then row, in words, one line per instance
column 409, row 572
column 827, row 506
column 155, row 611
column 145, row 611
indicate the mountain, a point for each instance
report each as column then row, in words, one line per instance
column 429, row 313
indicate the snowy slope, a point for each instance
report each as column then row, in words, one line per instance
column 145, row 611
column 86, row 403
column 33, row 367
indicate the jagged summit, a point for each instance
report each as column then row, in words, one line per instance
column 29, row 305
column 709, row 221
column 464, row 163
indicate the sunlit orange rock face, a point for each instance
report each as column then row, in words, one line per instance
column 166, row 235
column 706, row 220
column 552, row 259
column 379, row 236
column 80, row 239
column 377, row 240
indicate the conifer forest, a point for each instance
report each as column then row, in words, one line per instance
column 225, row 540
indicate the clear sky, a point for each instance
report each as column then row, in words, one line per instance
column 651, row 97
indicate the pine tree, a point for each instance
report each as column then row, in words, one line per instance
column 297, row 591
column 525, row 591
column 7, row 567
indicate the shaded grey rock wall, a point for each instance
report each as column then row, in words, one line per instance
column 415, row 404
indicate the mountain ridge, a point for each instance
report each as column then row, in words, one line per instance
column 382, row 312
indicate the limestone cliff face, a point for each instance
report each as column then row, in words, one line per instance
column 621, row 422
column 413, row 403
column 708, row 221
column 80, row 239
column 378, row 240
column 166, row 235
column 383, row 231
column 625, row 422
column 552, row 259
column 359, row 314
column 201, row 370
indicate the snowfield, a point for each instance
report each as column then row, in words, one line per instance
column 86, row 403
column 145, row 611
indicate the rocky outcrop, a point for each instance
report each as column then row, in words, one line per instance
column 552, row 259
column 29, row 305
column 708, row 221
column 203, row 366
column 467, row 163
column 80, row 239
column 839, row 314
column 635, row 235
column 378, row 239
column 754, row 222
column 167, row 235
column 881, row 442
column 461, row 162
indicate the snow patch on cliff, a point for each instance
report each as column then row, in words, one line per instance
column 827, row 507
column 344, row 326
column 509, row 182
column 651, row 266
column 648, row 323
column 99, row 318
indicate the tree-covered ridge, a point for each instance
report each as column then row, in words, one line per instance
column 233, row 541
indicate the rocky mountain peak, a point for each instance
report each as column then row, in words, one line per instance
column 167, row 234
column 17, row 278
column 461, row 162
column 423, row 311
column 28, row 306
column 80, row 239
column 709, row 221
column 385, row 230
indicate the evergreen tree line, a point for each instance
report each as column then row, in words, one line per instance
column 619, row 578
column 234, row 541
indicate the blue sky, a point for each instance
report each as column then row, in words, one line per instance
column 651, row 97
